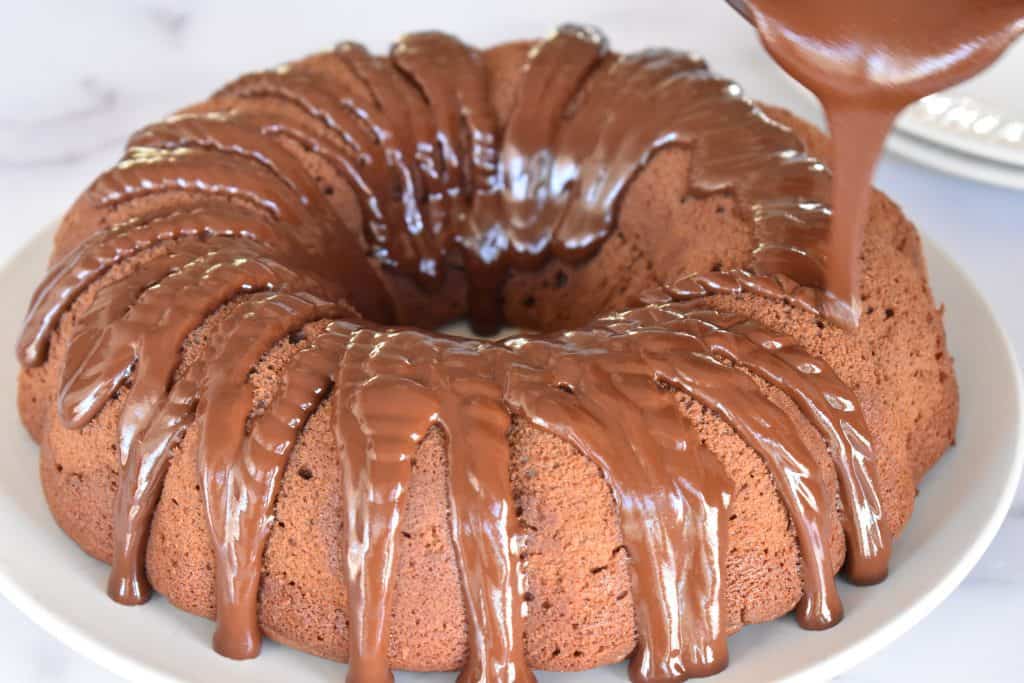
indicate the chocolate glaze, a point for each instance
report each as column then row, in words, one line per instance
column 206, row 159
column 103, row 250
column 436, row 172
column 443, row 185
column 549, row 183
column 240, row 475
column 231, row 134
column 453, row 79
column 256, row 325
column 348, row 148
column 866, row 61
column 832, row 408
column 610, row 390
column 147, row 171
column 672, row 495
column 145, row 342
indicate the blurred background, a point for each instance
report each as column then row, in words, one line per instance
column 79, row 77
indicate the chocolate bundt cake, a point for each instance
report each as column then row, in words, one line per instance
column 240, row 402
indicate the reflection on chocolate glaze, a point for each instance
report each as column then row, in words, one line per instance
column 454, row 82
column 419, row 144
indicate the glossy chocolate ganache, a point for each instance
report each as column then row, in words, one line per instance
column 445, row 190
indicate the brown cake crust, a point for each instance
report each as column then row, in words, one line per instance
column 581, row 610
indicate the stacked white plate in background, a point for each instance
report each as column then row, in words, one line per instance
column 975, row 130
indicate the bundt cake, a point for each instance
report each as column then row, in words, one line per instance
column 240, row 402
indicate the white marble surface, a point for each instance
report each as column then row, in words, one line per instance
column 81, row 76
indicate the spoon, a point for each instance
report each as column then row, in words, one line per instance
column 741, row 7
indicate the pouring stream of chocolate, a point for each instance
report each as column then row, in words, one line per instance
column 867, row 60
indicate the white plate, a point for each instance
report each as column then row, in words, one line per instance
column 962, row 503
column 975, row 130
column 983, row 117
column 948, row 160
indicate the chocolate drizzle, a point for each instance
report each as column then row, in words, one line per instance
column 548, row 185
column 833, row 409
column 609, row 389
column 213, row 393
column 146, row 341
column 103, row 250
column 452, row 383
column 444, row 184
column 234, row 134
column 672, row 495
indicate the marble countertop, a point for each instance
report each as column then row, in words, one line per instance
column 81, row 76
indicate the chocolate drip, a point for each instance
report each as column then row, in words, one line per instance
column 232, row 135
column 834, row 410
column 314, row 128
column 218, row 156
column 361, row 163
column 485, row 529
column 564, row 164
column 453, row 79
column 259, row 466
column 111, row 304
column 453, row 384
column 310, row 95
column 822, row 397
column 556, row 70
column 146, row 171
column 323, row 239
column 401, row 121
column 213, row 383
column 602, row 389
column 85, row 264
column 239, row 475
column 671, row 495
column 378, row 439
column 686, row 362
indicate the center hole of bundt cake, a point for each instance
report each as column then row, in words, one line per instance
column 463, row 328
